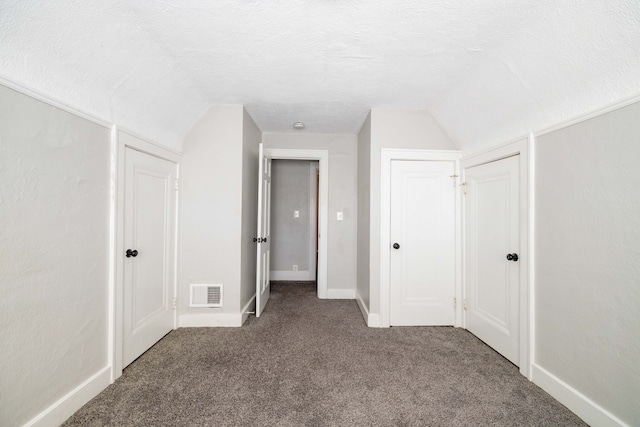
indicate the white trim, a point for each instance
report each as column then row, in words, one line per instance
column 55, row 102
column 138, row 143
column 323, row 210
column 372, row 320
column 592, row 413
column 58, row 103
column 493, row 154
column 249, row 308
column 122, row 141
column 313, row 237
column 231, row 320
column 589, row 115
column 293, row 276
column 532, row 257
column 341, row 294
column 64, row 407
column 565, row 123
column 113, row 247
column 386, row 156
column 521, row 148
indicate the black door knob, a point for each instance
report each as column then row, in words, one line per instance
column 131, row 253
column 396, row 246
column 512, row 257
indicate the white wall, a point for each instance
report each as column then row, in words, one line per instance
column 54, row 252
column 211, row 216
column 251, row 139
column 364, row 211
column 587, row 262
column 405, row 129
column 342, row 238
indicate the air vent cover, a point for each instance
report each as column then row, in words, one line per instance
column 206, row 295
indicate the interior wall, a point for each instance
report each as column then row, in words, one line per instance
column 291, row 239
column 251, row 139
column 401, row 129
column 211, row 217
column 587, row 259
column 342, row 239
column 364, row 212
column 54, row 246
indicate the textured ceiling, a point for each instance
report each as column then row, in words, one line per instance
column 488, row 71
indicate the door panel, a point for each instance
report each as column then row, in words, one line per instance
column 264, row 232
column 149, row 230
column 422, row 275
column 492, row 231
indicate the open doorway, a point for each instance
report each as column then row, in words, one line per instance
column 322, row 157
column 294, row 220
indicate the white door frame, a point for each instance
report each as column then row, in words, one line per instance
column 387, row 155
column 314, row 173
column 322, row 156
column 120, row 140
column 523, row 148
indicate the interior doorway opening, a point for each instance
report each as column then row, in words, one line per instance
column 322, row 210
column 294, row 220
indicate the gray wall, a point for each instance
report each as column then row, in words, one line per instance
column 219, row 207
column 587, row 259
column 342, row 238
column 290, row 191
column 251, row 139
column 54, row 243
column 364, row 211
column 403, row 129
column 211, row 217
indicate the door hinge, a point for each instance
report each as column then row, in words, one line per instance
column 455, row 303
column 464, row 303
column 177, row 184
column 175, row 303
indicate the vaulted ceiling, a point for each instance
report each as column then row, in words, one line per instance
column 488, row 71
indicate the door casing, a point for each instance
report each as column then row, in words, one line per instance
column 387, row 155
column 524, row 148
column 322, row 156
column 120, row 140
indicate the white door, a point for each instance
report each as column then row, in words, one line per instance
column 149, row 229
column 264, row 232
column 492, row 286
column 422, row 265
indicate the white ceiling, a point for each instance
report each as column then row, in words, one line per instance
column 488, row 71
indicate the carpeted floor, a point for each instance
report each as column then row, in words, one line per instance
column 311, row 362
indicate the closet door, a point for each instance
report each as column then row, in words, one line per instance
column 492, row 270
column 422, row 264
column 149, row 231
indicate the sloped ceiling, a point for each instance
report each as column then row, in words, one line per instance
column 488, row 71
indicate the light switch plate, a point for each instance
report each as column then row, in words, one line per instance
column 340, row 216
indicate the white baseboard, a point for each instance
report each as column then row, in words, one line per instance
column 341, row 294
column 249, row 308
column 372, row 320
column 204, row 320
column 579, row 404
column 66, row 406
column 292, row 276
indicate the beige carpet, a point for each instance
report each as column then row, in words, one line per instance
column 311, row 362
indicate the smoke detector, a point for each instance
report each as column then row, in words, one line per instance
column 298, row 125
